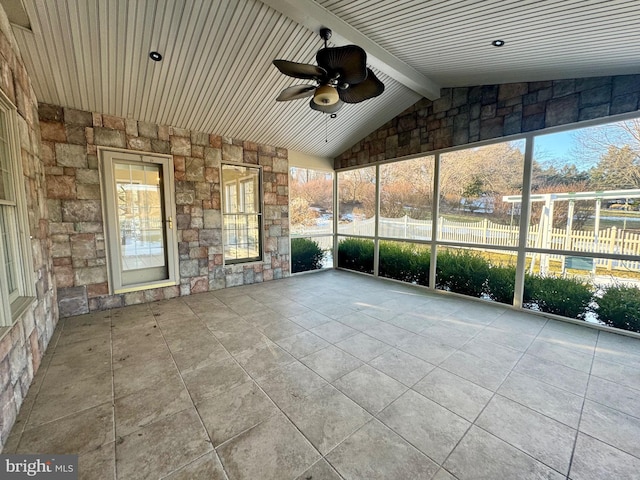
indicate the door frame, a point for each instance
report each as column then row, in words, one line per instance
column 110, row 228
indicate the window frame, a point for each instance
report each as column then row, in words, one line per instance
column 14, row 304
column 108, row 157
column 240, row 207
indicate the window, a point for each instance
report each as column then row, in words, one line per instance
column 15, row 256
column 242, row 214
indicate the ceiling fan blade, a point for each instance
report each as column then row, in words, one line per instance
column 350, row 62
column 300, row 70
column 295, row 92
column 326, row 108
column 369, row 88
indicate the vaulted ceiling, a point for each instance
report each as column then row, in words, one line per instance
column 217, row 76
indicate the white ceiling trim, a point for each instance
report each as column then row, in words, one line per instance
column 314, row 17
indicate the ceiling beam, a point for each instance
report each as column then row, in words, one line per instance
column 315, row 17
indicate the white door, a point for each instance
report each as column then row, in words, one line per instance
column 140, row 214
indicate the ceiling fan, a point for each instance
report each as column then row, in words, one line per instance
column 341, row 76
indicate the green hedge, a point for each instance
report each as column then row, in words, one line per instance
column 569, row 297
column 305, row 255
column 462, row 271
column 356, row 254
column 404, row 261
column 620, row 307
column 500, row 283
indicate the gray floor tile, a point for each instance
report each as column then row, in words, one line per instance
column 85, row 327
column 302, row 344
column 359, row 320
column 566, row 378
column 444, row 332
column 610, row 354
column 517, row 340
column 594, row 460
column 546, row 440
column 481, row 456
column 91, row 350
column 333, row 332
column 331, row 363
column 310, row 319
column 430, row 428
column 139, row 353
column 617, row 372
column 414, row 321
column 425, row 349
column 363, row 346
column 56, row 400
column 618, row 343
column 145, row 406
column 388, row 333
column 263, row 359
column 370, row 388
column 326, row 417
column 290, row 383
column 375, row 452
column 614, row 395
column 77, row 433
column 559, row 353
column 544, row 398
column 443, row 475
column 492, row 351
column 138, row 376
column 401, row 366
column 98, row 463
column 281, row 329
column 455, row 393
column 213, row 380
column 234, row 411
column 571, row 332
column 206, row 467
column 162, row 447
column 272, row 450
column 521, row 322
column 611, row 426
column 570, row 336
column 320, row 471
column 483, row 372
column 199, row 353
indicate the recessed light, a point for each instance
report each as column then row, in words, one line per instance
column 497, row 43
column 155, row 56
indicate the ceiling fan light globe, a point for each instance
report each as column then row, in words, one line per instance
column 326, row 95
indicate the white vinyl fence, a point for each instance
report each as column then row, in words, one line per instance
column 610, row 241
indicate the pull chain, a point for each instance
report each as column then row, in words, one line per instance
column 326, row 128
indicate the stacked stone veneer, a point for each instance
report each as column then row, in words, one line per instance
column 69, row 144
column 471, row 114
column 22, row 345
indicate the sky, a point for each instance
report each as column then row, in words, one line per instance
column 560, row 149
column 556, row 145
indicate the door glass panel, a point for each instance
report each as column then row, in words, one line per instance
column 140, row 215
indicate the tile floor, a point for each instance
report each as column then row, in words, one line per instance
column 334, row 375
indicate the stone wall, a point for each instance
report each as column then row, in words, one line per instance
column 470, row 114
column 69, row 144
column 23, row 344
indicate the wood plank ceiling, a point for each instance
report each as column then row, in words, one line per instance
column 217, row 76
